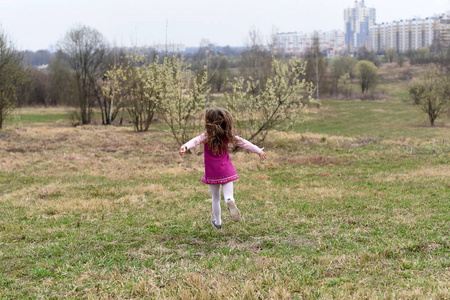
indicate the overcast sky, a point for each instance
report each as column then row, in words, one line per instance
column 39, row 24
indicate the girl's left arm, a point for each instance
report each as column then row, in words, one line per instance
column 243, row 143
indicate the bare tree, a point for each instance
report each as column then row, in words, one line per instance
column 62, row 82
column 431, row 92
column 12, row 76
column 85, row 50
column 39, row 88
column 315, row 66
column 256, row 59
column 213, row 63
column 318, row 62
column 341, row 68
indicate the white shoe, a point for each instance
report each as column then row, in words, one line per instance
column 234, row 211
column 213, row 221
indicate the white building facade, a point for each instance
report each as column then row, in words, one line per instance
column 331, row 43
column 402, row 35
column 411, row 34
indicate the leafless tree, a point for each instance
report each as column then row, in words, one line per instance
column 256, row 60
column 12, row 76
column 85, row 50
column 62, row 82
column 315, row 66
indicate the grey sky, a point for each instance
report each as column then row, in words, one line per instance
column 38, row 24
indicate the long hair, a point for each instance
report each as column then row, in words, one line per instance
column 219, row 128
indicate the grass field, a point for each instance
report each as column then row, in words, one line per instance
column 354, row 204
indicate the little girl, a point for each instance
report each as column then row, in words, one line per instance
column 218, row 167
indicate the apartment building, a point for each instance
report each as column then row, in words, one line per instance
column 331, row 43
column 441, row 31
column 411, row 34
column 357, row 21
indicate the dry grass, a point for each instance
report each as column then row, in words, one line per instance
column 104, row 212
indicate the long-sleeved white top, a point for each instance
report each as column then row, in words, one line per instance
column 242, row 143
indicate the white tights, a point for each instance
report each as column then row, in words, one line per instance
column 227, row 189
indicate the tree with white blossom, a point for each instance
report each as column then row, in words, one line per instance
column 281, row 101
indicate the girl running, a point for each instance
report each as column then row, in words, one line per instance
column 219, row 171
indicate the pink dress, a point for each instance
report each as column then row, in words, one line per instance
column 218, row 168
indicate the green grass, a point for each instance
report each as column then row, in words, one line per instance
column 47, row 118
column 391, row 118
column 60, row 115
column 354, row 204
column 42, row 115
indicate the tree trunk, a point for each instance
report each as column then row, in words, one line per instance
column 83, row 115
column 121, row 117
column 148, row 121
column 89, row 113
column 317, row 77
column 101, row 109
column 110, row 118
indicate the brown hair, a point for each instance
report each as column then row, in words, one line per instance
column 219, row 128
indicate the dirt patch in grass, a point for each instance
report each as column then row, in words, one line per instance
column 440, row 171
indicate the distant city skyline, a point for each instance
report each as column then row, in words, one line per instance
column 39, row 24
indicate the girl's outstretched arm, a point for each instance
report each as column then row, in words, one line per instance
column 262, row 155
column 193, row 143
column 243, row 143
column 183, row 149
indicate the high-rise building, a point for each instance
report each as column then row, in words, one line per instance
column 444, row 31
column 401, row 35
column 331, row 43
column 411, row 34
column 357, row 23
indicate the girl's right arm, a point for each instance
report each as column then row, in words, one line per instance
column 193, row 143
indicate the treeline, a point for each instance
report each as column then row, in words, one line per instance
column 40, row 58
column 50, row 75
column 86, row 73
